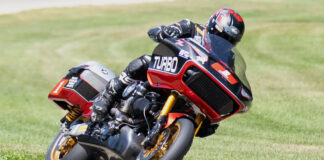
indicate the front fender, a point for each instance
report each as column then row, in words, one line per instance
column 172, row 117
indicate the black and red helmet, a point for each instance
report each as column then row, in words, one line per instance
column 227, row 24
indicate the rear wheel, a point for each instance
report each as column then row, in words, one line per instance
column 65, row 147
column 172, row 143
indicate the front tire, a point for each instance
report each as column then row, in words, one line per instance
column 172, row 143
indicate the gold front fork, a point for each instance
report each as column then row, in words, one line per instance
column 168, row 105
column 199, row 120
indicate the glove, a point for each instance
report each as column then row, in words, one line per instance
column 156, row 33
column 159, row 33
column 172, row 31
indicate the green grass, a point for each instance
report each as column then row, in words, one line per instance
column 283, row 47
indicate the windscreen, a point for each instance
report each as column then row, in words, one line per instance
column 225, row 51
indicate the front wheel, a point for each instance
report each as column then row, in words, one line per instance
column 172, row 143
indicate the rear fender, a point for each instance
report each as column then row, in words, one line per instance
column 172, row 117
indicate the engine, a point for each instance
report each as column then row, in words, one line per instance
column 121, row 135
column 137, row 108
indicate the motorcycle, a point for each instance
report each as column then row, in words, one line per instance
column 190, row 88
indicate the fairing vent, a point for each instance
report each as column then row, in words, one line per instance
column 209, row 91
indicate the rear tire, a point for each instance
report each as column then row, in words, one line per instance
column 77, row 152
column 177, row 143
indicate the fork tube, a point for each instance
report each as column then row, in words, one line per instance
column 168, row 105
column 199, row 121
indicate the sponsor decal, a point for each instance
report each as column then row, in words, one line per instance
column 72, row 82
column 202, row 59
column 165, row 63
column 58, row 88
column 179, row 43
column 224, row 72
column 197, row 38
column 184, row 54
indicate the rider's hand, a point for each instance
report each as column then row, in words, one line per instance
column 172, row 31
column 156, row 33
column 159, row 33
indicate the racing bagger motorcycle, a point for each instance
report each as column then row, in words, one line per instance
column 190, row 88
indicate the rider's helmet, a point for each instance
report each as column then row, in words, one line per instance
column 227, row 24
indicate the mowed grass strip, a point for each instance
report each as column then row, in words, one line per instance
column 282, row 47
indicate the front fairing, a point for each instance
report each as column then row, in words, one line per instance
column 225, row 53
column 216, row 58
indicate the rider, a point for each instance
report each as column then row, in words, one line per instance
column 225, row 23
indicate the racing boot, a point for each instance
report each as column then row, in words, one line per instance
column 102, row 104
